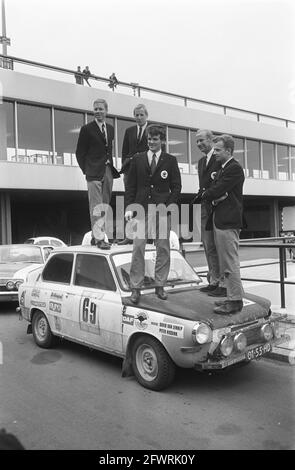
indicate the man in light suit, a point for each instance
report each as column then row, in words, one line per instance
column 135, row 141
column 227, row 220
column 154, row 178
column 94, row 156
column 207, row 167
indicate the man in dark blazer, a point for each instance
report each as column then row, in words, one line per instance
column 154, row 178
column 227, row 220
column 94, row 156
column 135, row 141
column 207, row 168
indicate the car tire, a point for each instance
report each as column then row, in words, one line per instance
column 41, row 331
column 152, row 365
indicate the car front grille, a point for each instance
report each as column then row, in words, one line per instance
column 253, row 336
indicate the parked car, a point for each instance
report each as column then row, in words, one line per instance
column 16, row 261
column 83, row 294
column 51, row 241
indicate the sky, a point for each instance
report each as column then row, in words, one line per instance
column 240, row 53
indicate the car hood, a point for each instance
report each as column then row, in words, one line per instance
column 15, row 270
column 192, row 304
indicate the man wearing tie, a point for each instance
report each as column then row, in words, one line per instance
column 207, row 168
column 227, row 220
column 135, row 141
column 154, row 178
column 94, row 156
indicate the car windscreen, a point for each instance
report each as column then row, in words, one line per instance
column 180, row 271
column 20, row 254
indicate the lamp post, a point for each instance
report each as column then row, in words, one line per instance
column 5, row 41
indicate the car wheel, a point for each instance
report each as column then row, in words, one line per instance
column 41, row 331
column 152, row 365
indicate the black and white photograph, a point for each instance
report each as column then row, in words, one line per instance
column 147, row 229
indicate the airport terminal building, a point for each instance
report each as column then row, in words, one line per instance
column 43, row 191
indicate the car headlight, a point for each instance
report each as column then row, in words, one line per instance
column 227, row 345
column 240, row 342
column 201, row 333
column 276, row 329
column 10, row 285
column 266, row 332
column 18, row 283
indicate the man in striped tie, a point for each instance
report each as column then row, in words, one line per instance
column 154, row 180
column 94, row 156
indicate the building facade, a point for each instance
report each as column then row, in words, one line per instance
column 43, row 192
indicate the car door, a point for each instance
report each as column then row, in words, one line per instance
column 99, row 316
column 56, row 293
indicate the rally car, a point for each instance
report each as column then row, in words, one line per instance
column 15, row 263
column 83, row 294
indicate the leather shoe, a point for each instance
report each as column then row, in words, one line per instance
column 126, row 241
column 161, row 293
column 135, row 296
column 229, row 307
column 218, row 292
column 103, row 245
column 209, row 288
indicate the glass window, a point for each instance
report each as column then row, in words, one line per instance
column 67, row 127
column 253, row 158
column 268, row 160
column 122, row 125
column 293, row 163
column 196, row 154
column 178, row 146
column 239, row 152
column 8, row 132
column 59, row 268
column 34, row 147
column 93, row 271
column 283, row 162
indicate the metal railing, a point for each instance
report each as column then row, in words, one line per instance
column 136, row 88
column 283, row 244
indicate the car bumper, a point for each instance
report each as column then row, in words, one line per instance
column 247, row 355
column 8, row 296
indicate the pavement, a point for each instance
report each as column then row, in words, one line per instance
column 269, row 269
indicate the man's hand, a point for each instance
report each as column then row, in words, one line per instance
column 220, row 199
column 128, row 215
column 198, row 197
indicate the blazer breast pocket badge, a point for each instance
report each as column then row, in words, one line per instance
column 164, row 174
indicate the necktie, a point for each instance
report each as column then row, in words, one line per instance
column 139, row 134
column 104, row 133
column 153, row 164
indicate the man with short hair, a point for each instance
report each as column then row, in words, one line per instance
column 154, row 179
column 227, row 220
column 135, row 141
column 207, row 167
column 94, row 156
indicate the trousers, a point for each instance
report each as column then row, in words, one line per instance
column 99, row 192
column 151, row 229
column 227, row 243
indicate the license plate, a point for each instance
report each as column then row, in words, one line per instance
column 255, row 353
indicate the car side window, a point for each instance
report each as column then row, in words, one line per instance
column 43, row 242
column 93, row 271
column 55, row 243
column 59, row 268
column 47, row 251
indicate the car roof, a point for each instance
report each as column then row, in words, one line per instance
column 94, row 249
column 26, row 245
column 49, row 237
